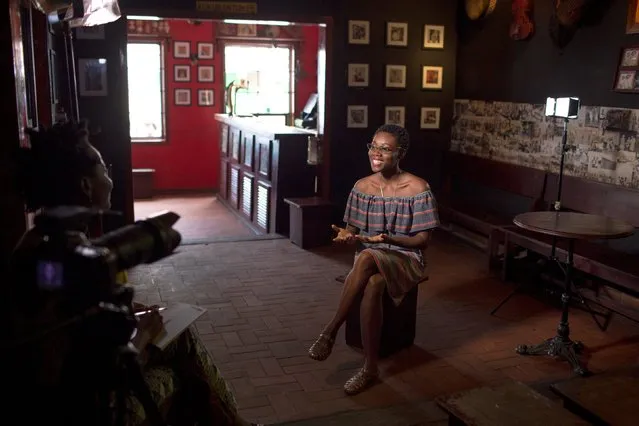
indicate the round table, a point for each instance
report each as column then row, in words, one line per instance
column 570, row 226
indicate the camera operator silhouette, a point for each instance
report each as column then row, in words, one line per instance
column 63, row 168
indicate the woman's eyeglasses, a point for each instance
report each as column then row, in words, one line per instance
column 380, row 149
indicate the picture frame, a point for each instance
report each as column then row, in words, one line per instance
column 92, row 77
column 359, row 32
column 395, row 115
column 205, row 97
column 95, row 32
column 182, row 73
column 205, row 50
column 627, row 75
column 632, row 20
column 182, row 97
column 247, row 30
column 397, row 34
column 357, row 117
column 433, row 37
column 181, row 49
column 432, row 77
column 205, row 74
column 429, row 118
column 395, row 76
column 358, row 75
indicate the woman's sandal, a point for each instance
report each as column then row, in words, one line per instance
column 362, row 380
column 322, row 348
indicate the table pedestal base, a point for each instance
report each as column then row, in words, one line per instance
column 558, row 346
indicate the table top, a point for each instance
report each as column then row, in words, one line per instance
column 574, row 225
column 611, row 397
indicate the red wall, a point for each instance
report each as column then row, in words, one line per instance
column 189, row 160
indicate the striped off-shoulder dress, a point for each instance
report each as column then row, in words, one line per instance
column 401, row 268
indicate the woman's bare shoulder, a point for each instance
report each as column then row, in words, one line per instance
column 367, row 185
column 415, row 185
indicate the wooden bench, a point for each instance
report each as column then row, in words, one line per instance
column 461, row 201
column 143, row 183
column 510, row 404
column 605, row 399
column 398, row 327
column 618, row 269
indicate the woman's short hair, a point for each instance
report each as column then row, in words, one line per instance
column 52, row 167
column 400, row 133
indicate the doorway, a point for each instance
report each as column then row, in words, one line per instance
column 178, row 70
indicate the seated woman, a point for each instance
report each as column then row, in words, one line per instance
column 390, row 215
column 63, row 168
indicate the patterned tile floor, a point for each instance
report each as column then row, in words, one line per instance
column 267, row 300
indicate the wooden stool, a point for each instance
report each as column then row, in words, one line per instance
column 310, row 221
column 398, row 327
column 604, row 399
column 511, row 404
column 143, row 183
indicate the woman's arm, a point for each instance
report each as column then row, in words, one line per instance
column 417, row 241
column 352, row 229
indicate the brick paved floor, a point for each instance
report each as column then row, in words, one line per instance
column 267, row 300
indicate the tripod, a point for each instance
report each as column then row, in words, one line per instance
column 553, row 250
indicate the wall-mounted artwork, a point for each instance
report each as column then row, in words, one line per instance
column 603, row 142
column 205, row 97
column 429, row 118
column 432, row 77
column 397, row 34
column 433, row 37
column 358, row 75
column 395, row 115
column 247, row 30
column 357, row 116
column 396, row 76
column 92, row 77
column 205, row 74
column 181, row 49
column 632, row 21
column 182, row 73
column 359, row 32
column 627, row 78
column 182, row 97
column 205, row 50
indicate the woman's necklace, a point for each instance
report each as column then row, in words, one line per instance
column 382, row 186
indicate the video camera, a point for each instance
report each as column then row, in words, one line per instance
column 80, row 274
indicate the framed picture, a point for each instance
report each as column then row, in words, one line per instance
column 395, row 115
column 632, row 21
column 182, row 97
column 357, row 117
column 396, row 76
column 396, row 34
column 205, row 50
column 182, row 73
column 433, row 37
column 429, row 118
column 205, row 97
column 90, row 33
column 432, row 77
column 627, row 76
column 205, row 74
column 92, row 77
column 358, row 75
column 181, row 49
column 359, row 32
column 247, row 30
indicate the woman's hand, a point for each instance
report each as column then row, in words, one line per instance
column 377, row 239
column 343, row 235
column 149, row 327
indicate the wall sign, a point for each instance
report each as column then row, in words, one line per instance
column 226, row 7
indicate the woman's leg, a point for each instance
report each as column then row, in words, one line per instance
column 371, row 317
column 364, row 268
